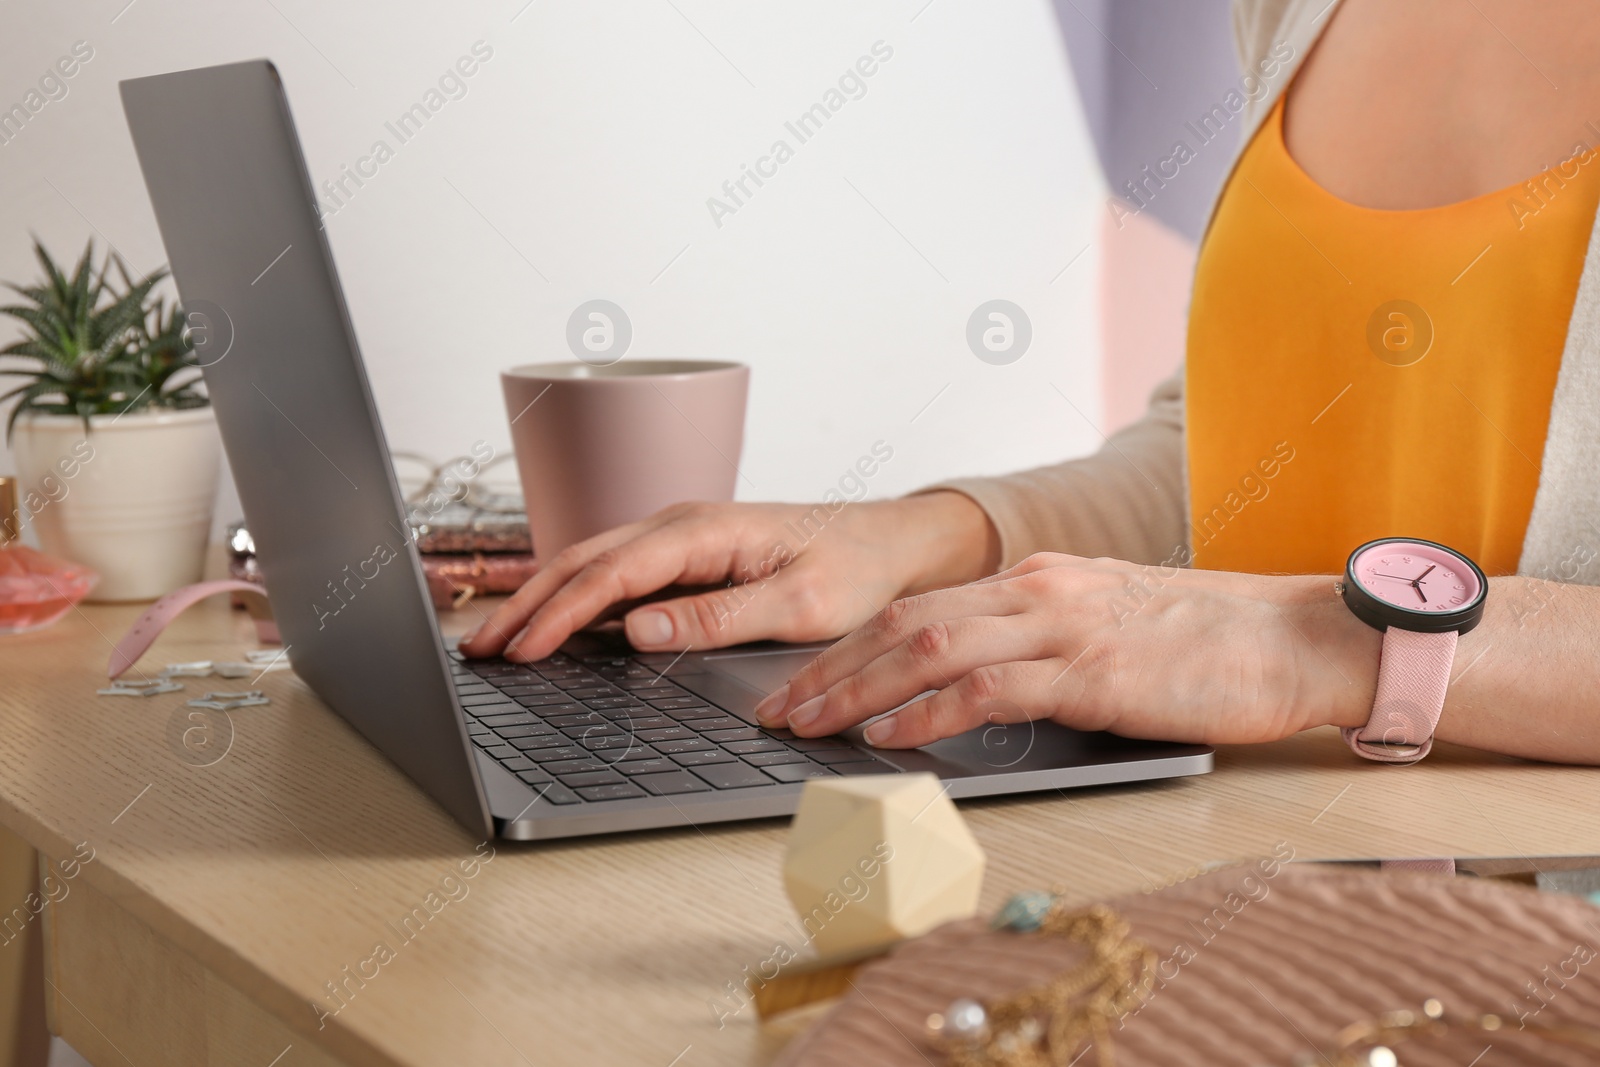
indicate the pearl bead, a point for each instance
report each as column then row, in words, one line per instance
column 1380, row 1056
column 965, row 1019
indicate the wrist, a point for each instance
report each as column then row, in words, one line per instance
column 947, row 539
column 1351, row 647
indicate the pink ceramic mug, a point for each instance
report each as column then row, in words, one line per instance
column 600, row 446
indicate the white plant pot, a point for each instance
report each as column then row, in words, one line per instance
column 131, row 500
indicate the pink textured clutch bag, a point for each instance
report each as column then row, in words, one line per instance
column 1255, row 969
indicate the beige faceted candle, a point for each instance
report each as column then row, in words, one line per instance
column 876, row 859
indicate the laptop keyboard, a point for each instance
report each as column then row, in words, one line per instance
column 611, row 728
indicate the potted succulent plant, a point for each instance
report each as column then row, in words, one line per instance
column 115, row 445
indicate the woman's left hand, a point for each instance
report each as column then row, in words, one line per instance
column 1096, row 644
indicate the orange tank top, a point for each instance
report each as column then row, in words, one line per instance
column 1355, row 373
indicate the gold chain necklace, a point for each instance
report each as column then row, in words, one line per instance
column 1047, row 1026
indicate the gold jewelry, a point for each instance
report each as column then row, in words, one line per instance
column 1048, row 1025
column 1367, row 1043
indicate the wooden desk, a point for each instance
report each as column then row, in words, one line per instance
column 222, row 899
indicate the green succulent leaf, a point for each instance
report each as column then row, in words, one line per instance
column 93, row 345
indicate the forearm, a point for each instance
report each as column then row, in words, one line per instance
column 1526, row 680
column 947, row 539
column 1126, row 501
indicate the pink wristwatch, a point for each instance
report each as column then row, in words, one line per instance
column 1422, row 596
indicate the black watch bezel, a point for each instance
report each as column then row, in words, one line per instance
column 1380, row 614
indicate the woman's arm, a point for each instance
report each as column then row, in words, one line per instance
column 1199, row 656
column 1126, row 500
column 1527, row 680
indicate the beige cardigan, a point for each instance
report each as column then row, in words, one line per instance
column 1130, row 499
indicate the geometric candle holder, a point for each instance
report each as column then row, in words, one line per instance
column 876, row 859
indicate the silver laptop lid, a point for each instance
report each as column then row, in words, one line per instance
column 237, row 213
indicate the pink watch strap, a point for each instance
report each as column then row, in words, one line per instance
column 1412, row 678
column 156, row 618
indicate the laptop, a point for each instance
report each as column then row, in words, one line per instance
column 595, row 739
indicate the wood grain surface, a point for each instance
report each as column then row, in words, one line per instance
column 298, row 853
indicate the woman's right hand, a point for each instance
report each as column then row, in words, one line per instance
column 787, row 572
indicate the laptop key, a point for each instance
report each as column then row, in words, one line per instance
column 635, row 750
column 478, row 690
column 672, row 733
column 568, row 708
column 609, row 703
column 674, row 703
column 515, row 718
column 594, row 692
column 634, row 767
column 760, row 744
column 524, row 690
column 609, row 741
column 591, row 778
column 735, row 775
column 530, row 729
column 796, row 772
column 722, row 737
column 697, row 759
column 620, row 791
column 656, row 691
column 688, row 744
column 585, row 718
column 672, row 783
column 541, row 741
column 486, row 708
column 689, row 716
column 843, row 755
column 648, row 722
column 555, row 793
column 593, row 729
column 535, row 777
column 502, row 751
column 562, row 768
column 518, row 763
column 718, row 721
column 548, row 702
column 772, row 759
column 560, row 752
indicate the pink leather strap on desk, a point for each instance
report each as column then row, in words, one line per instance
column 1412, row 679
column 157, row 617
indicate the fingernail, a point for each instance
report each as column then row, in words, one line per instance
column 767, row 711
column 471, row 636
column 650, row 628
column 806, row 713
column 882, row 730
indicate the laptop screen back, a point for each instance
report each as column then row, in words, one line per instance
column 235, row 206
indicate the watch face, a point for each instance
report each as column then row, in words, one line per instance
column 1414, row 585
column 1416, row 575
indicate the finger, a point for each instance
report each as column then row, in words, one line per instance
column 889, row 627
column 772, row 607
column 935, row 656
column 506, row 621
column 678, row 552
column 995, row 693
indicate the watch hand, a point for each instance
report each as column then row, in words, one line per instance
column 1420, row 593
column 1427, row 572
column 1396, row 577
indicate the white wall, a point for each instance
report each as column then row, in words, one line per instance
column 585, row 150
